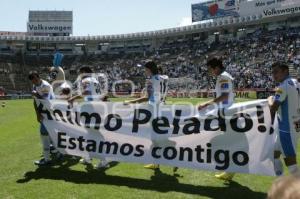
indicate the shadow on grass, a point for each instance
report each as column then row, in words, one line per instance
column 159, row 182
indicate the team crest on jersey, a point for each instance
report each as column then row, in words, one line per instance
column 277, row 97
column 224, row 85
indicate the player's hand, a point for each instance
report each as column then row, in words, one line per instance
column 202, row 106
column 34, row 93
column 70, row 101
column 270, row 100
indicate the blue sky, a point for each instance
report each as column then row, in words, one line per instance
column 100, row 17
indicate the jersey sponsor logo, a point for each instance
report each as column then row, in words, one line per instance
column 223, row 81
column 44, row 90
column 277, row 97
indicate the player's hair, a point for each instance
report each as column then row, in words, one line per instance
column 281, row 65
column 151, row 65
column 285, row 188
column 160, row 69
column 85, row 69
column 33, row 74
column 215, row 63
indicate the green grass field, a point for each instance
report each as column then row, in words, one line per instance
column 20, row 178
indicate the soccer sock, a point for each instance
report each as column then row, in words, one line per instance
column 278, row 167
column 293, row 169
column 46, row 146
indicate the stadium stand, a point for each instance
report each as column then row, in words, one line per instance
column 247, row 53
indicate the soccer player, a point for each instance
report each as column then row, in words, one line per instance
column 41, row 90
column 90, row 91
column 286, row 104
column 224, row 96
column 156, row 87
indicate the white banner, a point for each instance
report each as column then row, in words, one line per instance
column 234, row 140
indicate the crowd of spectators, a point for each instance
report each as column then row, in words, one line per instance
column 247, row 58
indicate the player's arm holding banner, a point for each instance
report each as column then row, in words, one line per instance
column 153, row 86
column 217, row 100
column 144, row 98
column 80, row 95
column 89, row 87
column 224, row 85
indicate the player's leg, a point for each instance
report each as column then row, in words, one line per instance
column 224, row 175
column 46, row 147
column 103, row 163
column 152, row 166
column 291, row 164
column 289, row 146
column 86, row 161
column 278, row 165
column 53, row 151
column 154, row 140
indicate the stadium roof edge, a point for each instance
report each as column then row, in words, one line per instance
column 204, row 27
